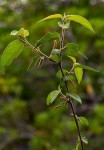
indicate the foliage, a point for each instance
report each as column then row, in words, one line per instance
column 17, row 83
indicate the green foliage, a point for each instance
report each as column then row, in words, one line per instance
column 22, row 32
column 83, row 120
column 72, row 50
column 64, row 26
column 33, row 62
column 72, row 58
column 81, row 20
column 78, row 73
column 52, row 96
column 46, row 38
column 76, row 18
column 77, row 65
column 75, row 97
column 10, row 53
column 84, row 140
column 58, row 129
column 59, row 73
column 55, row 16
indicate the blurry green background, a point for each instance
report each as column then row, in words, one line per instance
column 26, row 123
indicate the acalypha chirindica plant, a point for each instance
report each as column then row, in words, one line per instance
column 70, row 50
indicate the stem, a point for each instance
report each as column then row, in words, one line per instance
column 72, row 108
column 32, row 47
column 67, row 89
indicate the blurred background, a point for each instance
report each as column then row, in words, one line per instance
column 26, row 122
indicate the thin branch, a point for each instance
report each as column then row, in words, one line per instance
column 23, row 39
column 67, row 89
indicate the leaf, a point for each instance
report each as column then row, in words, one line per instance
column 77, row 65
column 83, row 120
column 55, row 16
column 78, row 74
column 52, row 96
column 56, row 58
column 72, row 58
column 64, row 26
column 33, row 62
column 84, row 140
column 49, row 36
column 23, row 32
column 14, row 32
column 79, row 19
column 11, row 52
column 59, row 74
column 72, row 50
column 75, row 97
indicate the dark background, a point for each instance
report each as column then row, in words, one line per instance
column 26, row 122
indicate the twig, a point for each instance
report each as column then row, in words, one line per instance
column 67, row 89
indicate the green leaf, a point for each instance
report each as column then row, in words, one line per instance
column 77, row 65
column 84, row 140
column 56, row 58
column 23, row 32
column 72, row 58
column 33, row 62
column 83, row 120
column 11, row 52
column 55, row 16
column 59, row 74
column 52, row 96
column 64, row 26
column 75, row 97
column 49, row 36
column 14, row 32
column 78, row 74
column 72, row 50
column 79, row 19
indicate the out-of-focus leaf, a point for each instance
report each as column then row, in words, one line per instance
column 79, row 19
column 14, row 32
column 84, row 140
column 49, row 36
column 83, row 120
column 23, row 32
column 55, row 16
column 52, row 96
column 75, row 97
column 11, row 52
column 33, row 62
